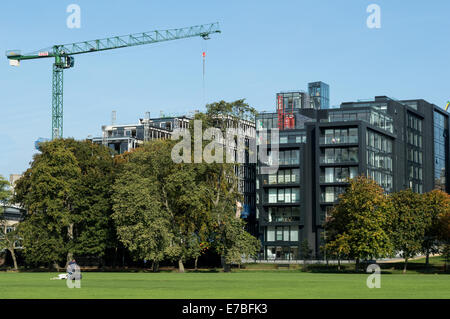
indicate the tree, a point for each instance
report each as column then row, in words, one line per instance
column 305, row 250
column 237, row 243
column 436, row 203
column 444, row 234
column 339, row 247
column 142, row 225
column 359, row 223
column 5, row 192
column 199, row 200
column 66, row 193
column 178, row 192
column 230, row 239
column 9, row 237
column 409, row 223
column 8, row 234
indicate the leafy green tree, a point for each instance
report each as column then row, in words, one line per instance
column 236, row 243
column 409, row 224
column 66, row 193
column 436, row 203
column 8, row 239
column 199, row 200
column 444, row 234
column 338, row 248
column 305, row 250
column 177, row 190
column 359, row 223
column 5, row 192
column 142, row 225
column 222, row 191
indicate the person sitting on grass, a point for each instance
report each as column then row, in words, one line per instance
column 73, row 272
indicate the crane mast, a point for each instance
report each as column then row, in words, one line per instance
column 63, row 57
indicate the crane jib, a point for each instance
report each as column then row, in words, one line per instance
column 64, row 60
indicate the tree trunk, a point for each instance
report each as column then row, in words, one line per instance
column 70, row 235
column 115, row 258
column 339, row 263
column 404, row 267
column 56, row 266
column 155, row 266
column 195, row 263
column 180, row 265
column 357, row 265
column 427, row 259
column 13, row 255
column 226, row 267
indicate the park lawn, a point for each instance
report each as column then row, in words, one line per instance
column 248, row 284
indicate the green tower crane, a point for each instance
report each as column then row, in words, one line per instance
column 63, row 55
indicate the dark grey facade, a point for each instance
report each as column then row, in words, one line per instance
column 399, row 144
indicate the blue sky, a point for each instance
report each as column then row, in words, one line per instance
column 265, row 47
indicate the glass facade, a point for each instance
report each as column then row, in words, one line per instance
column 356, row 139
column 282, row 252
column 339, row 136
column 337, row 174
column 414, row 141
column 440, row 153
column 285, row 157
column 379, row 159
column 319, row 94
column 283, row 176
column 371, row 115
column 330, row 194
column 284, row 214
column 270, row 121
column 283, row 195
column 336, row 155
column 293, row 100
column 282, row 233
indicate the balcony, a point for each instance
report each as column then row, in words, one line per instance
column 338, row 160
column 330, row 140
column 272, row 202
column 333, row 179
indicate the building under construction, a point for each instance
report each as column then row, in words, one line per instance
column 123, row 138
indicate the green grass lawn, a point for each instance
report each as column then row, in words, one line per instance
column 244, row 284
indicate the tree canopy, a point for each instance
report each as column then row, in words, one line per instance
column 66, row 194
column 357, row 227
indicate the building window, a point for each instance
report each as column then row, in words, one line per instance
column 284, row 195
column 272, row 195
column 339, row 155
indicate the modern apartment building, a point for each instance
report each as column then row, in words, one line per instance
column 400, row 144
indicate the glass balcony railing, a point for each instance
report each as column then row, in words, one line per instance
column 328, row 198
column 276, row 200
column 338, row 159
column 282, row 219
column 338, row 140
column 332, row 179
